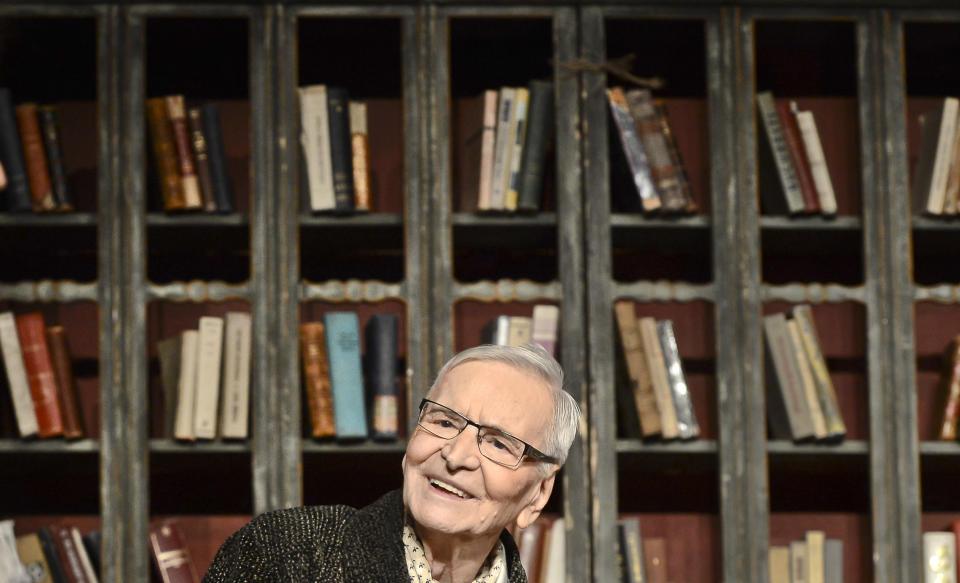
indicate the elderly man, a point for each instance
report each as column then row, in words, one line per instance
column 493, row 431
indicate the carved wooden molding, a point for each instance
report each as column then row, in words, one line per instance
column 48, row 290
column 198, row 291
column 507, row 290
column 664, row 291
column 352, row 290
column 814, row 293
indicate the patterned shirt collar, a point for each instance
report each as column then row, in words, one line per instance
column 493, row 570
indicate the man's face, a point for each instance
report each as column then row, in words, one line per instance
column 490, row 496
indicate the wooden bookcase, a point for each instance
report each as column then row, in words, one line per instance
column 124, row 275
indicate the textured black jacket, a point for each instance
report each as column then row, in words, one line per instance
column 317, row 544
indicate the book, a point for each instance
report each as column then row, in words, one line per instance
column 381, row 335
column 809, row 389
column 360, row 156
column 555, row 558
column 66, row 387
column 189, row 183
column 802, row 314
column 519, row 331
column 833, row 561
column 813, row 150
column 787, row 411
column 779, row 564
column 655, row 559
column 640, row 103
column 631, row 546
column 234, row 410
column 530, row 543
column 658, row 374
column 519, row 135
column 3, row 177
column 48, row 546
column 315, row 142
column 198, row 143
column 187, row 387
column 939, row 557
column 474, row 135
column 69, row 554
column 683, row 182
column 643, row 398
column 687, row 426
column 93, row 543
column 951, row 195
column 11, row 569
column 217, row 157
column 950, row 380
column 168, row 352
column 496, row 331
column 316, row 379
column 82, row 554
column 546, row 319
column 815, row 540
column 49, row 118
column 342, row 337
column 506, row 124
column 20, row 394
column 30, row 550
column 209, row 355
column 633, row 150
column 799, row 563
column 18, row 199
column 779, row 187
column 933, row 160
column 540, row 122
column 488, row 136
column 338, row 105
column 798, row 156
column 165, row 154
column 170, row 554
column 38, row 175
column 39, row 368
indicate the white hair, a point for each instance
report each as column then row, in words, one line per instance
column 534, row 359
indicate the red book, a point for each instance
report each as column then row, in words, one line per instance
column 63, row 372
column 39, row 367
column 798, row 155
column 170, row 554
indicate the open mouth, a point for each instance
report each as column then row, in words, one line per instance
column 448, row 489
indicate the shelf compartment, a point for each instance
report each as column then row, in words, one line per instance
column 217, row 476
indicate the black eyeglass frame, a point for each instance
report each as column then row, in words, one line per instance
column 528, row 450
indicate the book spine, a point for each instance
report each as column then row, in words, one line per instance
column 165, row 154
column 49, row 545
column 199, row 144
column 827, row 396
column 658, row 374
column 340, row 154
column 640, row 103
column 683, row 182
column 316, row 379
column 540, row 120
column 798, row 157
column 168, row 351
column 18, row 188
column 63, row 372
column 217, row 156
column 641, row 383
column 633, row 150
column 17, row 376
column 815, row 542
column 951, row 197
column 779, row 563
column 346, row 374
column 43, row 386
column 187, row 387
column 315, row 140
column 655, row 559
column 951, row 381
column 69, row 554
column 781, row 152
column 176, row 111
column 512, row 194
column 209, row 354
column 783, row 381
column 382, row 343
column 49, row 118
column 832, row 561
column 170, row 553
column 38, row 174
column 687, row 426
column 501, row 150
column 813, row 148
column 546, row 319
column 799, row 563
column 940, row 557
column 806, row 381
column 491, row 99
column 360, row 151
column 520, row 331
column 236, row 376
column 85, row 562
column 943, row 159
column 632, row 542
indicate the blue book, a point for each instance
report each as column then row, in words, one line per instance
column 346, row 374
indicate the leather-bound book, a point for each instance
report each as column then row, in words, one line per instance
column 39, row 367
column 655, row 559
column 340, row 153
column 17, row 194
column 687, row 426
column 177, row 112
column 640, row 102
column 216, row 154
column 540, row 120
column 798, row 155
column 170, row 554
column 381, row 338
column 676, row 159
column 69, row 554
column 49, row 117
column 165, row 155
column 951, row 385
column 779, row 189
column 641, row 382
column 633, row 150
column 62, row 370
column 360, row 150
column 316, row 379
column 653, row 351
column 16, row 374
column 199, row 143
column 35, row 158
column 48, row 544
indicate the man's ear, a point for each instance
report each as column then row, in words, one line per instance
column 538, row 499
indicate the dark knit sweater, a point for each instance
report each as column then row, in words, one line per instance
column 317, row 544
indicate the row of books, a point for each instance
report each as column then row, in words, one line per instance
column 504, row 139
column 639, row 559
column 651, row 151
column 206, row 376
column 32, row 170
column 936, row 176
column 654, row 400
column 815, row 559
column 542, row 547
column 189, row 156
column 335, row 146
column 334, row 377
column 950, row 381
column 39, row 375
column 801, row 401
column 539, row 327
column 794, row 177
column 940, row 555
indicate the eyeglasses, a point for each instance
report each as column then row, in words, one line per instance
column 497, row 446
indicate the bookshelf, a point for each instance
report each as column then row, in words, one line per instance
column 881, row 279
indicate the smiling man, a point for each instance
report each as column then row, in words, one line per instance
column 493, row 432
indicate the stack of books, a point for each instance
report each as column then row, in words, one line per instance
column 801, row 401
column 32, row 170
column 539, row 327
column 189, row 156
column 815, row 559
column 55, row 552
column 653, row 400
column 206, row 376
column 936, row 176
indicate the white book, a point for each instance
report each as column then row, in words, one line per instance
column 933, row 161
column 85, row 563
column 815, row 554
column 556, row 558
column 315, row 140
column 11, row 569
column 798, row 562
column 17, row 376
column 236, row 376
column 520, row 330
column 501, row 148
column 519, row 131
column 939, row 557
column 186, row 387
column 546, row 318
column 209, row 353
column 813, row 147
